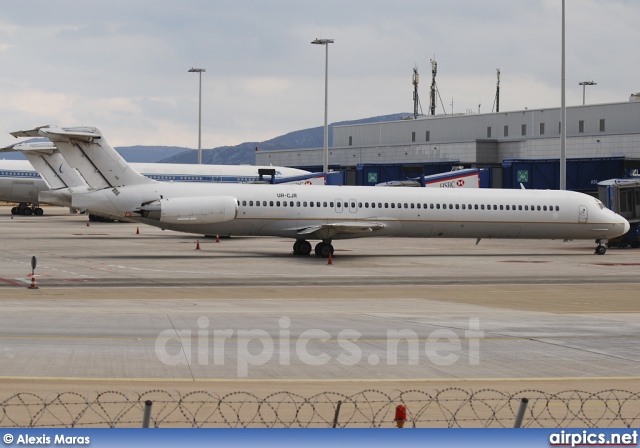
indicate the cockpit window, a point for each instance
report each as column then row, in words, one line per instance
column 599, row 204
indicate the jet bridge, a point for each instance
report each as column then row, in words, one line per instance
column 623, row 197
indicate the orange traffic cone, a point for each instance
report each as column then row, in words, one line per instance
column 330, row 259
column 217, row 238
column 137, row 230
column 198, row 245
column 87, row 223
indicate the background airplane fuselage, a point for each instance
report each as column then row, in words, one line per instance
column 20, row 182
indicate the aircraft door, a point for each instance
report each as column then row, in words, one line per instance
column 338, row 205
column 582, row 214
column 353, row 205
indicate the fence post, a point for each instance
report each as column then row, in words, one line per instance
column 521, row 411
column 335, row 417
column 146, row 419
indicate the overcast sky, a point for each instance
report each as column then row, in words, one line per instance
column 122, row 65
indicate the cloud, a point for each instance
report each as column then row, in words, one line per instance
column 122, row 65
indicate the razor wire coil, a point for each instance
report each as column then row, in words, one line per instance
column 450, row 407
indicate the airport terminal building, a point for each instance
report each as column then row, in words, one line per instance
column 602, row 132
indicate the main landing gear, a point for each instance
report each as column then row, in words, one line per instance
column 601, row 249
column 25, row 209
column 303, row 247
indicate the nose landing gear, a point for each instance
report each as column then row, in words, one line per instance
column 601, row 249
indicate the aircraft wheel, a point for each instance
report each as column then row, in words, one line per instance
column 304, row 247
column 324, row 250
column 301, row 247
column 14, row 210
column 601, row 250
column 38, row 211
column 27, row 212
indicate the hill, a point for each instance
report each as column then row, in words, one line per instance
column 244, row 153
column 149, row 154
column 135, row 154
column 241, row 154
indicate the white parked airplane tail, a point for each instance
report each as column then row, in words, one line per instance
column 47, row 160
column 86, row 149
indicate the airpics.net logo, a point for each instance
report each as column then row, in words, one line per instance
column 252, row 348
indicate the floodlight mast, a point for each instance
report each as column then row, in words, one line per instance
column 325, row 153
column 563, row 113
column 199, row 72
column 584, row 84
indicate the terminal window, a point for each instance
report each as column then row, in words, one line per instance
column 524, row 129
column 541, row 128
column 488, row 131
column 506, row 131
column 581, row 126
column 427, row 136
column 413, row 136
column 602, row 128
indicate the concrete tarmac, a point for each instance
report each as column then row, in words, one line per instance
column 117, row 309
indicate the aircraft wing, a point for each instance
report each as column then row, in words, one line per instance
column 331, row 230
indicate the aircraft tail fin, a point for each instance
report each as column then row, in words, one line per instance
column 47, row 160
column 86, row 150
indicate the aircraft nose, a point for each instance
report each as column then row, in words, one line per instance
column 627, row 226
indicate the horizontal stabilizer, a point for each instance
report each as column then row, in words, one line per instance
column 55, row 133
column 35, row 148
column 35, row 132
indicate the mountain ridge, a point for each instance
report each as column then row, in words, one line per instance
column 241, row 154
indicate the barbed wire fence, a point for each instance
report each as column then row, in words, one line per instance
column 451, row 407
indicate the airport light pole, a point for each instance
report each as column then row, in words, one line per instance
column 325, row 153
column 563, row 115
column 584, row 84
column 199, row 72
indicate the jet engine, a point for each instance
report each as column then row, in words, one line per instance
column 191, row 210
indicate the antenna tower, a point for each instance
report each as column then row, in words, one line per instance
column 416, row 99
column 432, row 102
column 496, row 103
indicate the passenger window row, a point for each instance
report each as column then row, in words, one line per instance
column 430, row 206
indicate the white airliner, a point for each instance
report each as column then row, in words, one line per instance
column 21, row 183
column 324, row 213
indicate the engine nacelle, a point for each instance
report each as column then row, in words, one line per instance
column 192, row 210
